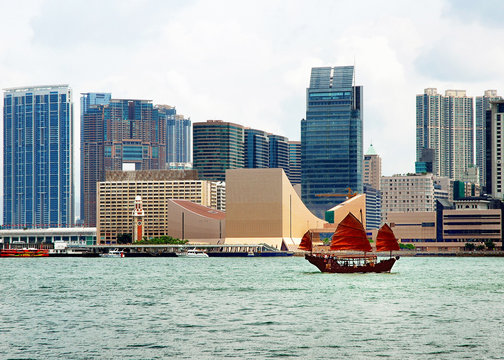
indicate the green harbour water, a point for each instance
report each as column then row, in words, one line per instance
column 249, row 308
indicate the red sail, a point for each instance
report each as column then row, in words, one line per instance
column 350, row 235
column 306, row 242
column 386, row 240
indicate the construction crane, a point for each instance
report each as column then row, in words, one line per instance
column 348, row 195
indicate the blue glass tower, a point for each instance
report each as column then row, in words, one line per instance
column 279, row 152
column 331, row 138
column 178, row 134
column 257, row 152
column 38, row 166
column 295, row 162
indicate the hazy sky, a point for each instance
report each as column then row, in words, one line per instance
column 249, row 62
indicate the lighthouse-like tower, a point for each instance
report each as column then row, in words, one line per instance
column 138, row 214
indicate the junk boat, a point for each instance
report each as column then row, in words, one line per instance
column 351, row 235
column 24, row 252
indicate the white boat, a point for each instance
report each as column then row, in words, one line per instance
column 116, row 253
column 193, row 253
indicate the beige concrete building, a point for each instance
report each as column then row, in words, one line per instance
column 418, row 227
column 196, row 223
column 471, row 222
column 262, row 207
column 116, row 202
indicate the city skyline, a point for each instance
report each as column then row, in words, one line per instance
column 398, row 50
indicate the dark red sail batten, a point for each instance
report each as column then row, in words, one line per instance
column 306, row 242
column 386, row 240
column 350, row 235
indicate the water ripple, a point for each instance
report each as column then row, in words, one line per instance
column 249, row 308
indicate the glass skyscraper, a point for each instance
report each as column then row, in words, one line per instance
column 295, row 162
column 178, row 134
column 331, row 138
column 257, row 150
column 279, row 152
column 217, row 146
column 38, row 164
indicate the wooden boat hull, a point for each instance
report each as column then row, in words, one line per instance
column 333, row 266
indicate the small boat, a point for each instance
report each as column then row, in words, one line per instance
column 350, row 235
column 31, row 252
column 193, row 253
column 116, row 253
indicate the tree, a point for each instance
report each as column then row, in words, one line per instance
column 162, row 240
column 490, row 245
column 124, row 238
column 480, row 247
column 407, row 246
column 469, row 246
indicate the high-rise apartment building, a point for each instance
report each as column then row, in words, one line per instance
column 494, row 154
column 178, row 134
column 88, row 100
column 38, row 164
column 445, row 124
column 331, row 138
column 482, row 106
column 124, row 134
column 217, row 146
column 372, row 168
column 295, row 162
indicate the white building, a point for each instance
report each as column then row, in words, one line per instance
column 412, row 193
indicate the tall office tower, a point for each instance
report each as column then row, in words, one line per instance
column 482, row 106
column 494, row 154
column 178, row 134
column 121, row 135
column 257, row 149
column 279, row 152
column 372, row 168
column 295, row 162
column 38, row 165
column 373, row 207
column 331, row 138
column 217, row 146
column 86, row 101
column 445, row 124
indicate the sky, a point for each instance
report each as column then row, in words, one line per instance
column 249, row 62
